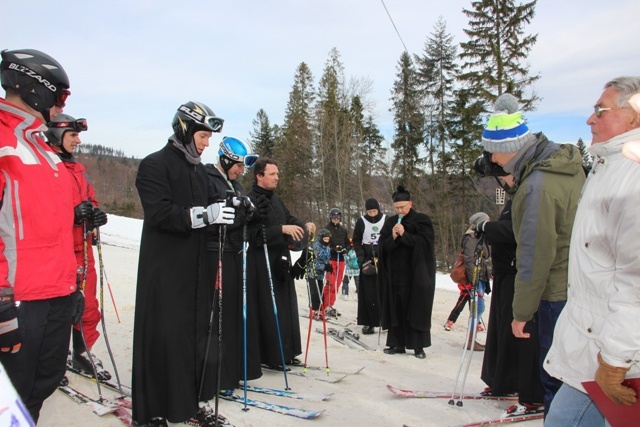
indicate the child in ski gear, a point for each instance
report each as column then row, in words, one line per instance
column 469, row 245
column 407, row 274
column 37, row 266
column 318, row 265
column 63, row 136
column 352, row 269
column 180, row 205
column 339, row 246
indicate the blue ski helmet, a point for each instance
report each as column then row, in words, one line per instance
column 234, row 150
column 192, row 117
column 38, row 78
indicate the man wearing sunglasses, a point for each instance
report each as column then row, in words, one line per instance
column 63, row 136
column 38, row 292
column 548, row 180
column 598, row 333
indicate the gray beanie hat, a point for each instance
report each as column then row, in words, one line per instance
column 478, row 217
column 506, row 131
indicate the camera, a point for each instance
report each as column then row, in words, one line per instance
column 485, row 167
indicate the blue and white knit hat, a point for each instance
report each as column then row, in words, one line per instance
column 506, row 130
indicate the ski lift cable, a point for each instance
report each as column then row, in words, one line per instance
column 394, row 26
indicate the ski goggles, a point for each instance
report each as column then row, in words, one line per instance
column 215, row 123
column 79, row 125
column 61, row 99
column 249, row 160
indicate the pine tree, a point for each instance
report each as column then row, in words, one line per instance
column 497, row 51
column 293, row 144
column 263, row 137
column 409, row 124
column 587, row 158
column 437, row 72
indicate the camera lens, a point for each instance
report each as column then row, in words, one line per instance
column 485, row 167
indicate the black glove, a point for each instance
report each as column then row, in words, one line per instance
column 83, row 211
column 328, row 268
column 99, row 218
column 479, row 231
column 10, row 339
column 77, row 306
column 263, row 205
column 339, row 249
column 487, row 288
column 297, row 270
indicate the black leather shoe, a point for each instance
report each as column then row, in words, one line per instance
column 368, row 330
column 419, row 353
column 394, row 350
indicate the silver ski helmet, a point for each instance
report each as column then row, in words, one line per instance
column 235, row 150
column 61, row 124
column 192, row 117
column 324, row 233
column 38, row 78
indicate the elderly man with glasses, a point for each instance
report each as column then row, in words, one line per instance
column 597, row 336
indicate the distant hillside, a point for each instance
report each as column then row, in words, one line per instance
column 113, row 176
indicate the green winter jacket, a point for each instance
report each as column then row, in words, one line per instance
column 549, row 180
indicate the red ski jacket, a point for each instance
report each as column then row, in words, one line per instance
column 36, row 211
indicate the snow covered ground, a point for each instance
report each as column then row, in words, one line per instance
column 358, row 400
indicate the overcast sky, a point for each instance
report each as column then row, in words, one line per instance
column 132, row 63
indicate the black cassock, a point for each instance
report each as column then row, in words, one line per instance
column 407, row 278
column 283, row 284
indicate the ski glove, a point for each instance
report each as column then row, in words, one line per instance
column 98, row 218
column 610, row 378
column 263, row 205
column 77, row 306
column 297, row 270
column 328, row 268
column 215, row 213
column 83, row 211
column 339, row 249
column 10, row 340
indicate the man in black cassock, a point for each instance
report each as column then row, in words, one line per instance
column 282, row 231
column 407, row 277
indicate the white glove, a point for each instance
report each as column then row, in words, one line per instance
column 215, row 213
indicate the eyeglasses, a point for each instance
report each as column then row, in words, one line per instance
column 62, row 98
column 79, row 125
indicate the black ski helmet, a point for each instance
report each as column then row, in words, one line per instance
column 335, row 211
column 192, row 117
column 38, row 78
column 324, row 233
column 61, row 124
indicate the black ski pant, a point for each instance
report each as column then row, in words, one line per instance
column 36, row 370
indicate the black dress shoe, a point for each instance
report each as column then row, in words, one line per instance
column 419, row 353
column 368, row 330
column 394, row 350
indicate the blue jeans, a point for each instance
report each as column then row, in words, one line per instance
column 480, row 300
column 548, row 313
column 573, row 408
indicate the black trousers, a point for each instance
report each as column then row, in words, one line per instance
column 36, row 370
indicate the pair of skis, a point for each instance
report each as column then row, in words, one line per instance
column 537, row 415
column 346, row 337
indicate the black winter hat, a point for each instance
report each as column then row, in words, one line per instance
column 401, row 195
column 371, row 204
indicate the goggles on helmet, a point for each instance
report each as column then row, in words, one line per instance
column 212, row 122
column 79, row 125
column 249, row 160
column 62, row 98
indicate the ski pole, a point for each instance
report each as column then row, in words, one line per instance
column 306, row 278
column 244, row 312
column 102, row 317
column 324, row 319
column 106, row 279
column 85, row 235
column 275, row 307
